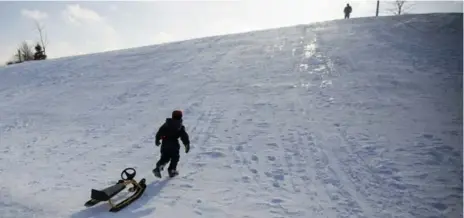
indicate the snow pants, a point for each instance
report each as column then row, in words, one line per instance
column 169, row 155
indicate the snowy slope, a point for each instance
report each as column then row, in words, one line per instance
column 349, row 118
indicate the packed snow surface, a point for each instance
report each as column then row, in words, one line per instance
column 348, row 118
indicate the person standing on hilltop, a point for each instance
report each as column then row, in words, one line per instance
column 347, row 11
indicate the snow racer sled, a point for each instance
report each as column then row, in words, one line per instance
column 127, row 178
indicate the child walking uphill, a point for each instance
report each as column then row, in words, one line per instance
column 169, row 133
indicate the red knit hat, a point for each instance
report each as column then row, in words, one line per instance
column 177, row 114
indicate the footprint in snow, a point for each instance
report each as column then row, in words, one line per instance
column 186, row 186
column 273, row 145
column 271, row 158
column 246, row 179
column 276, row 184
column 254, row 158
column 213, row 154
column 277, row 200
column 427, row 136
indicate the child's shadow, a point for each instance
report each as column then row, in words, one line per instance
column 102, row 210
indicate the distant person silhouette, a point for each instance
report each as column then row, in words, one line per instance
column 347, row 11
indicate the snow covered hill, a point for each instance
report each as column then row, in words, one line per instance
column 348, row 118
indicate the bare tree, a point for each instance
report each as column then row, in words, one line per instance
column 43, row 38
column 18, row 56
column 400, row 7
column 26, row 53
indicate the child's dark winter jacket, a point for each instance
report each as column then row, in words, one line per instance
column 169, row 133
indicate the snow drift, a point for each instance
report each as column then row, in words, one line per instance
column 348, row 118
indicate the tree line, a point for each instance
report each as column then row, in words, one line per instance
column 25, row 51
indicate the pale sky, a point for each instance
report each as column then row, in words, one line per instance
column 78, row 27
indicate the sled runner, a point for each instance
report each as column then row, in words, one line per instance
column 127, row 178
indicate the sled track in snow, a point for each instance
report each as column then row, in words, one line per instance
column 315, row 66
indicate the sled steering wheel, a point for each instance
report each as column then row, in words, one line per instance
column 126, row 172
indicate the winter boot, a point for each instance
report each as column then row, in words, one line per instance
column 173, row 173
column 157, row 172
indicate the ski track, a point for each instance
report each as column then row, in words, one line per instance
column 283, row 123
